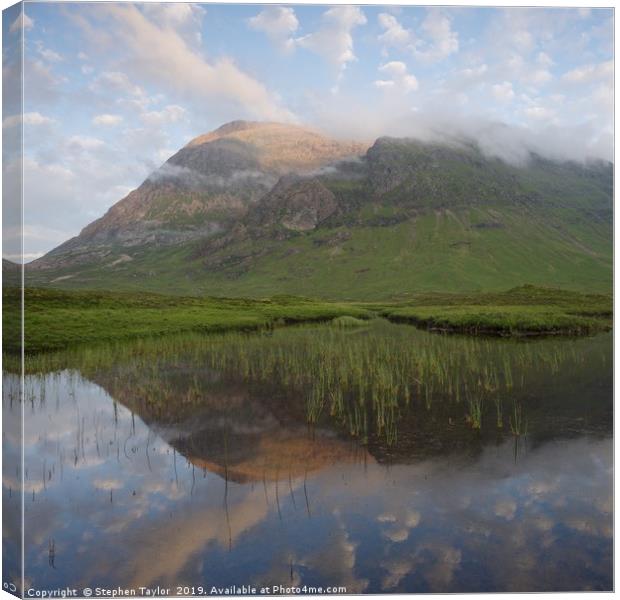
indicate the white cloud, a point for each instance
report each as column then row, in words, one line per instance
column 475, row 72
column 107, row 119
column 537, row 76
column 22, row 22
column 394, row 33
column 174, row 15
column 506, row 508
column 395, row 68
column 184, row 19
column 503, row 91
column 29, row 118
column 544, row 60
column 434, row 41
column 42, row 84
column 438, row 40
column 589, row 73
column 108, row 484
column 539, row 113
column 521, row 39
column 46, row 53
column 84, row 142
column 333, row 40
column 170, row 114
column 279, row 23
column 118, row 81
column 400, row 78
column 50, row 55
column 158, row 55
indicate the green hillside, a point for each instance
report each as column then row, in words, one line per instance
column 407, row 218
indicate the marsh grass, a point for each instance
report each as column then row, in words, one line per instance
column 347, row 321
column 362, row 380
column 518, row 422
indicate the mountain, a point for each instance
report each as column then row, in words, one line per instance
column 257, row 209
column 202, row 189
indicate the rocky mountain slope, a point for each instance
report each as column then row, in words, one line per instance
column 257, row 209
column 203, row 188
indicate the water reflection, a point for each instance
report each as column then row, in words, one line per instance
column 211, row 464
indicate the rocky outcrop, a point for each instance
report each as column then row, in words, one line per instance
column 296, row 204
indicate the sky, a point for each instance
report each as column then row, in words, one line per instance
column 111, row 90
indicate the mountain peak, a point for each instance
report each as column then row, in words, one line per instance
column 279, row 147
column 249, row 130
column 230, row 128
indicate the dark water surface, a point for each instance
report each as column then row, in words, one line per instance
column 379, row 459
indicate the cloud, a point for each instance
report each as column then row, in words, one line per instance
column 540, row 112
column 333, row 40
column 278, row 23
column 107, row 119
column 22, row 22
column 590, row 73
column 474, row 73
column 438, row 40
column 400, row 78
column 84, row 142
column 193, row 178
column 116, row 81
column 503, row 91
column 46, row 53
column 182, row 18
column 506, row 508
column 544, row 59
column 537, row 76
column 435, row 40
column 439, row 119
column 170, row 114
column 30, row 118
column 42, row 84
column 108, row 484
column 174, row 14
column 158, row 55
column 394, row 33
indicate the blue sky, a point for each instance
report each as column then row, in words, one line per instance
column 112, row 90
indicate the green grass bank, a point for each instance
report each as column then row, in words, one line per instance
column 55, row 320
column 521, row 311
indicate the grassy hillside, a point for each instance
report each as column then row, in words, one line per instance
column 407, row 218
column 460, row 250
column 58, row 319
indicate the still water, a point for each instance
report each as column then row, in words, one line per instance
column 380, row 459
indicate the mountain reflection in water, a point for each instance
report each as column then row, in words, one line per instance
column 414, row 462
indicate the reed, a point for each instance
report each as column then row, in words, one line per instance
column 360, row 379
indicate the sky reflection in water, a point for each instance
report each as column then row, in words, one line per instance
column 237, row 489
